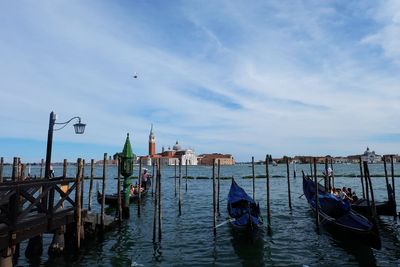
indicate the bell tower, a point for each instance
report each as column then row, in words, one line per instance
column 152, row 143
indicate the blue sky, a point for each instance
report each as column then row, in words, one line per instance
column 246, row 78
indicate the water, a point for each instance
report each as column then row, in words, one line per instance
column 188, row 239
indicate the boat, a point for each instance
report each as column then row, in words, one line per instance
column 243, row 211
column 384, row 208
column 339, row 219
column 112, row 199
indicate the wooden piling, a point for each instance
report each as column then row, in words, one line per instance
column 326, row 176
column 65, row 168
column 288, row 182
column 82, row 181
column 119, row 208
column 367, row 191
column 186, row 172
column 393, row 183
column 316, row 196
column 14, row 173
column 159, row 203
column 1, row 169
column 175, row 179
column 362, row 178
column 180, row 187
column 333, row 174
column 22, row 175
column 91, row 184
column 311, row 166
column 254, row 178
column 386, row 176
column 218, row 187
column 152, row 177
column 267, row 185
column 103, row 191
column 139, row 187
column 78, row 205
column 369, row 182
column 155, row 207
column 41, row 168
column 214, row 207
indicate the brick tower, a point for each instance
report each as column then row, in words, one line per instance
column 152, row 143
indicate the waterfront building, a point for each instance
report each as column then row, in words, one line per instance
column 208, row 159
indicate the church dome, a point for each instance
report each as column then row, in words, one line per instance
column 176, row 147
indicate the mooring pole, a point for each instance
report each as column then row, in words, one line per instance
column 119, row 190
column 254, row 178
column 1, row 169
column 82, row 181
column 393, row 184
column 103, row 191
column 386, row 176
column 186, row 167
column 78, row 205
column 41, row 168
column 139, row 186
column 268, row 196
column 180, row 187
column 316, row 196
column 155, row 206
column 288, row 182
column 327, row 179
column 91, row 184
column 152, row 177
column 218, row 187
column 367, row 191
column 311, row 166
column 333, row 174
column 175, row 178
column 214, row 196
column 65, row 168
column 362, row 179
column 159, row 203
column 367, row 175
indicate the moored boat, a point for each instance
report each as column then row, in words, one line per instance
column 339, row 219
column 112, row 199
column 243, row 211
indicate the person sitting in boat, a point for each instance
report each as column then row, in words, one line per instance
column 132, row 190
column 334, row 192
column 330, row 172
column 145, row 179
column 344, row 194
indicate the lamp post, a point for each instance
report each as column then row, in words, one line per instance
column 79, row 129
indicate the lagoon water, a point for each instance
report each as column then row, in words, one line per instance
column 188, row 239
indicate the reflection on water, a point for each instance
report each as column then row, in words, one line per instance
column 248, row 247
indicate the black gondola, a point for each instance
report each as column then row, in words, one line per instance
column 339, row 219
column 112, row 199
column 243, row 211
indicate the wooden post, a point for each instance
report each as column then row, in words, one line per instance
column 140, row 186
column 155, row 207
column 78, row 205
column 367, row 191
column 311, row 166
column 268, row 196
column 316, row 195
column 175, row 179
column 119, row 209
column 362, row 179
column 83, row 181
column 254, row 178
column 214, row 208
column 1, row 169
column 369, row 182
column 41, row 168
column 22, row 175
column 218, row 187
column 152, row 177
column 103, row 191
column 19, row 168
column 159, row 203
column 186, row 172
column 91, row 184
column 393, row 184
column 288, row 182
column 65, row 168
column 180, row 187
column 327, row 178
column 14, row 168
column 386, row 176
column 294, row 169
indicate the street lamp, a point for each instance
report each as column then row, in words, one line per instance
column 79, row 129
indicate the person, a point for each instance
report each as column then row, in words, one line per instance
column 344, row 194
column 132, row 189
column 330, row 172
column 145, row 178
column 51, row 171
column 334, row 191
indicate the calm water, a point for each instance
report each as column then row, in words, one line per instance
column 188, row 239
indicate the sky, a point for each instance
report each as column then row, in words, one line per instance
column 248, row 78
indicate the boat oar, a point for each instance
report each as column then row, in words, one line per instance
column 225, row 222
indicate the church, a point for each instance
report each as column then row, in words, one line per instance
column 169, row 156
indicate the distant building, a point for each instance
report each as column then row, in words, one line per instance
column 368, row 156
column 169, row 156
column 208, row 159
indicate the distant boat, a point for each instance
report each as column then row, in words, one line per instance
column 339, row 219
column 112, row 199
column 274, row 163
column 243, row 211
